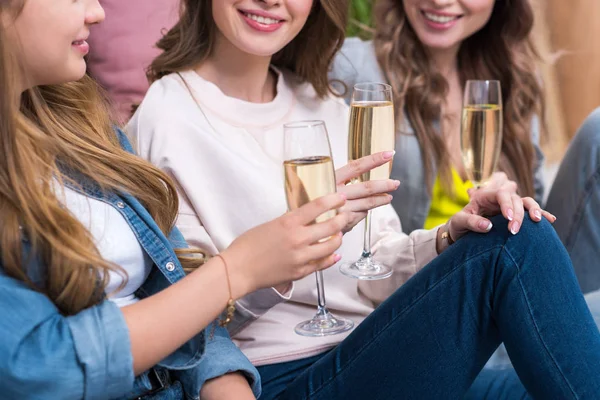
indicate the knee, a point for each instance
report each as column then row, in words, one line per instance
column 532, row 233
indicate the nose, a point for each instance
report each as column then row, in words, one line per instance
column 270, row 3
column 443, row 3
column 94, row 13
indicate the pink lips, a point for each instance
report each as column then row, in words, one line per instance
column 259, row 26
column 440, row 26
column 82, row 46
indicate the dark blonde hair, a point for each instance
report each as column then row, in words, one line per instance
column 308, row 55
column 44, row 132
column 501, row 50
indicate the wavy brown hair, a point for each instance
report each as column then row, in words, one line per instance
column 501, row 50
column 308, row 55
column 44, row 132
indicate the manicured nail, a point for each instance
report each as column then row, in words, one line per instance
column 514, row 228
column 485, row 225
column 509, row 214
column 337, row 258
column 538, row 214
column 388, row 154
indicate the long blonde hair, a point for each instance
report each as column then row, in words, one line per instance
column 44, row 132
column 501, row 50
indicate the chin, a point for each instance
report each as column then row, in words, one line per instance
column 259, row 49
column 439, row 44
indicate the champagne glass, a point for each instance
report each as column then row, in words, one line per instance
column 481, row 130
column 309, row 174
column 372, row 130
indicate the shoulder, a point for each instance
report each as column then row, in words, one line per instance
column 163, row 97
column 163, row 110
column 354, row 56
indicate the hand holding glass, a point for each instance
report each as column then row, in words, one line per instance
column 372, row 130
column 309, row 174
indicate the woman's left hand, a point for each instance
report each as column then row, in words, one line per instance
column 364, row 196
column 494, row 200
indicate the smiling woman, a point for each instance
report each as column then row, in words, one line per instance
column 207, row 29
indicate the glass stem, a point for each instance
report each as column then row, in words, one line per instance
column 320, row 291
column 367, row 240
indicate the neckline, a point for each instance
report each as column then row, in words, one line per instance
column 240, row 112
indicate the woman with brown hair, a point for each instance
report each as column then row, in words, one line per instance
column 94, row 300
column 231, row 74
column 426, row 50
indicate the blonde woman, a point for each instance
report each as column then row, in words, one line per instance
column 94, row 301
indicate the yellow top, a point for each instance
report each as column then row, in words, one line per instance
column 444, row 205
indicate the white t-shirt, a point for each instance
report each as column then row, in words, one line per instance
column 227, row 162
column 115, row 241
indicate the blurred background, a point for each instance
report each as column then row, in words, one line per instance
column 567, row 35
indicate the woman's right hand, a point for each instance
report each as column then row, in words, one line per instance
column 286, row 249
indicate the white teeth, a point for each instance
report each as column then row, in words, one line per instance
column 439, row 18
column 261, row 19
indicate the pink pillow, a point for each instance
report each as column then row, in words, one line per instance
column 123, row 46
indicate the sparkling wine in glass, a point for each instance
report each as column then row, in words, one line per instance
column 372, row 130
column 309, row 174
column 481, row 129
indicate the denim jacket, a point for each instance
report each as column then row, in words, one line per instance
column 45, row 355
column 356, row 63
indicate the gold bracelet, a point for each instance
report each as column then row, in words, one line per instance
column 231, row 303
column 446, row 240
column 446, row 235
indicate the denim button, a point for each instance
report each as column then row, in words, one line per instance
column 121, row 205
column 170, row 266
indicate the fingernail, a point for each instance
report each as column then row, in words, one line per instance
column 390, row 197
column 343, row 196
column 509, row 214
column 485, row 225
column 514, row 228
column 538, row 214
column 388, row 154
column 337, row 258
column 397, row 183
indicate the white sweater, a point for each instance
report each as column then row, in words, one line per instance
column 227, row 164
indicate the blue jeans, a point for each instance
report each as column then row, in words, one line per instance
column 575, row 200
column 431, row 338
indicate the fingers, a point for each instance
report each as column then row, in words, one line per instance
column 327, row 229
column 309, row 212
column 327, row 262
column 505, row 201
column 368, row 203
column 519, row 212
column 324, row 249
column 369, row 188
column 463, row 222
column 550, row 217
column 535, row 211
column 356, row 168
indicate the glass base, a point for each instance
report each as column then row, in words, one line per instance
column 366, row 269
column 323, row 324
